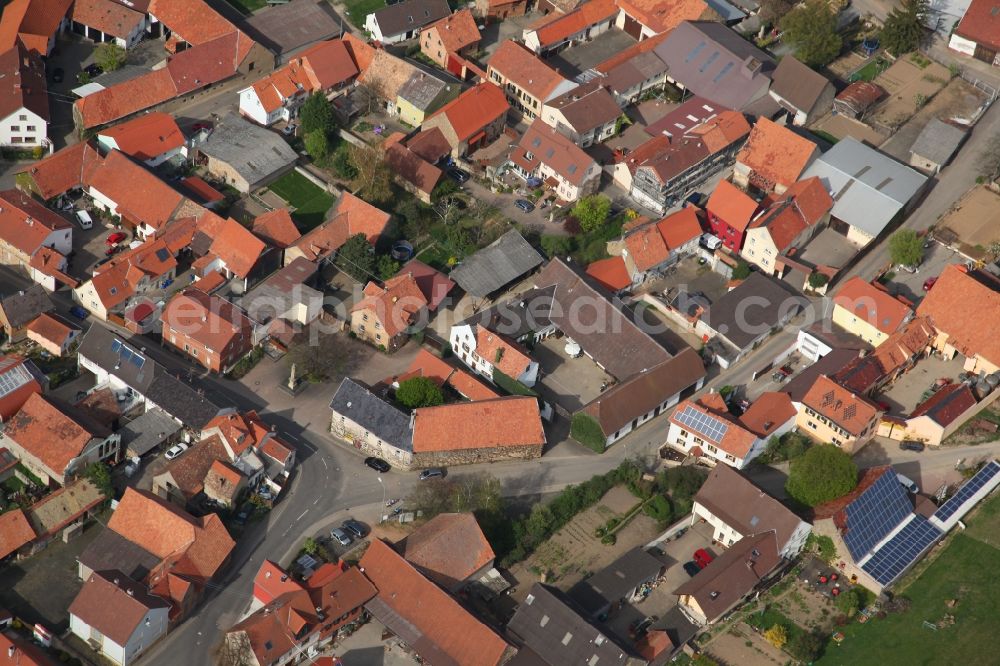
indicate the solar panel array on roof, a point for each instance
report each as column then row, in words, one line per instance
column 694, row 52
column 707, row 426
column 968, row 489
column 897, row 554
column 127, row 355
column 876, row 513
column 14, row 379
column 162, row 254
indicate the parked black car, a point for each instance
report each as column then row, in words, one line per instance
column 377, row 464
column 458, row 175
column 352, row 526
column 691, row 568
column 525, row 205
column 911, row 445
column 431, row 473
column 58, row 74
column 93, row 69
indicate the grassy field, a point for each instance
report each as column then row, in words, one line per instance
column 965, row 573
column 248, row 6
column 357, row 10
column 871, row 70
column 309, row 201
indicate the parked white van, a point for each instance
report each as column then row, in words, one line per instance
column 83, row 217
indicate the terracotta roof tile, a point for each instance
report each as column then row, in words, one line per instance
column 114, row 604
column 210, row 320
column 457, row 30
column 426, row 364
column 484, row 424
column 680, row 228
column 768, row 412
column 549, row 147
column 108, row 16
column 505, row 355
column 196, row 22
column 611, row 273
column 433, row 284
column 981, row 24
column 776, row 153
column 350, row 216
column 448, row 548
column 851, row 412
column 409, row 166
column 447, row 632
column 395, row 305
column 276, row 228
column 946, row 405
column 732, row 205
column 872, row 304
column 24, row 83
column 124, row 99
column 238, row 248
column 35, row 21
column 526, row 70
column 474, row 109
column 647, row 247
column 147, row 136
column 141, row 196
column 15, row 531
column 556, row 28
column 189, row 470
column 962, row 305
column 737, row 440
column 360, row 51
column 801, row 206
column 54, row 434
column 25, row 224
column 663, row 15
column 61, row 171
column 52, row 328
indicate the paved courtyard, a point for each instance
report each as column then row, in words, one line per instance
column 905, row 394
column 568, row 382
column 829, row 249
column 911, row 285
column 578, row 59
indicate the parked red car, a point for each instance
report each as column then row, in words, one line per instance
column 116, row 237
column 702, row 558
column 929, row 283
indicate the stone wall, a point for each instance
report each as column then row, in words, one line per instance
column 472, row 456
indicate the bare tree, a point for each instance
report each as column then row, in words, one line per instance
column 374, row 180
column 235, row 650
column 371, row 93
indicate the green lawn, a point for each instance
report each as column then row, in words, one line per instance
column 309, row 201
column 966, row 572
column 871, row 70
column 248, row 6
column 357, row 10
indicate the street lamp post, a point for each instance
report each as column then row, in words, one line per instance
column 381, row 508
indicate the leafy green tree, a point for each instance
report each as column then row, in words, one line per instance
column 100, row 476
column 317, row 145
column 818, row 280
column 742, row 270
column 356, row 258
column 419, row 392
column 850, row 600
column 807, row 646
column 109, row 56
column 811, row 29
column 316, row 115
column 342, row 163
column 592, row 212
column 557, row 246
column 821, row 474
column 906, row 248
column 904, row 27
column 387, row 267
column 310, row 546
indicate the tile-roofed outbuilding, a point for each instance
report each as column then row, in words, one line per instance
column 798, row 84
column 775, row 153
column 141, row 197
column 713, row 61
column 872, row 304
column 146, row 136
column 349, row 216
column 527, row 71
column 32, row 21
column 610, row 273
column 423, row 616
column 960, row 306
column 946, row 405
column 509, row 422
column 448, row 548
column 587, row 106
column 237, row 247
column 768, row 413
column 662, row 16
column 276, row 228
column 497, row 265
column 15, row 531
column 432, row 283
column 27, row 225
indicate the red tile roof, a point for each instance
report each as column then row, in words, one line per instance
column 622, row 57
column 448, row 633
column 946, row 405
column 209, row 320
column 272, row 581
column 34, row 21
column 409, row 166
column 526, row 70
column 360, row 51
column 448, row 548
column 433, row 284
column 330, row 63
column 557, row 28
column 851, row 412
column 872, row 304
column 981, row 24
column 124, row 99
column 16, row 650
column 141, row 196
column 25, row 224
column 732, row 205
column 276, row 228
column 240, row 430
column 474, row 109
column 113, row 604
column 108, row 16
column 505, row 355
column 962, row 306
column 680, row 228
column 24, row 84
column 610, row 273
column 647, row 247
column 737, row 439
column 237, row 247
column 202, row 190
column 484, row 424
column 426, row 364
column 803, row 205
column 663, row 15
column 53, row 328
column 63, row 170
column 196, row 22
column 776, row 152
column 395, row 305
column 456, row 31
column 53, row 434
column 768, row 412
column 349, row 217
column 15, row 531
column 147, row 136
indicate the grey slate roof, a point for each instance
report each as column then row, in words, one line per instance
column 151, row 380
column 938, row 141
column 405, row 16
column 496, row 265
column 551, row 627
column 144, row 433
column 421, row 90
column 617, row 580
column 110, row 550
column 20, row 308
column 714, row 62
column 734, row 318
column 798, row 84
column 868, row 187
column 517, row 317
column 372, row 413
column 588, row 106
column 632, row 72
column 252, row 151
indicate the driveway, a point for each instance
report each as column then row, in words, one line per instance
column 510, row 28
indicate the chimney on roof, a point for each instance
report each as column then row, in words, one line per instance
column 751, row 66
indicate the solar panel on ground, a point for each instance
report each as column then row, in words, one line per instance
column 896, row 555
column 703, row 424
column 875, row 514
column 968, row 489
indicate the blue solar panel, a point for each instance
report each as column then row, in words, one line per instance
column 709, row 427
column 694, row 52
column 722, row 72
column 116, row 346
column 874, row 514
column 968, row 489
column 893, row 558
column 712, row 58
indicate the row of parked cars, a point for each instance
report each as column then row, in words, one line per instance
column 382, row 466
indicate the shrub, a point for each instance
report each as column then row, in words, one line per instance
column 419, row 392
column 586, row 430
column 658, row 508
column 822, row 474
column 777, row 635
column 742, row 271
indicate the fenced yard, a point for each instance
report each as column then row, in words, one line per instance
column 308, row 202
column 910, row 82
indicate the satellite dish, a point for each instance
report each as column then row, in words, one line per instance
column 572, row 349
